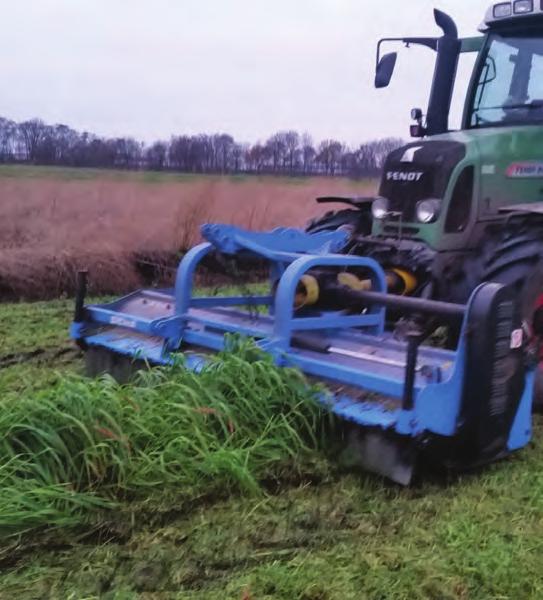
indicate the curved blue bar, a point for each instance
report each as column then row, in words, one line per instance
column 185, row 276
column 285, row 323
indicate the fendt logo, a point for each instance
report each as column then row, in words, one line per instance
column 403, row 176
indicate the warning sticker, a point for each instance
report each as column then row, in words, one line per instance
column 122, row 322
column 516, row 339
column 525, row 169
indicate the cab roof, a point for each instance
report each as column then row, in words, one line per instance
column 517, row 13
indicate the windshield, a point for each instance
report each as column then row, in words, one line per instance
column 510, row 85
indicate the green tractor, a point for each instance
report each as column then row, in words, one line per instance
column 457, row 208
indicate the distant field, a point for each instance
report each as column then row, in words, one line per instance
column 54, row 221
column 78, row 174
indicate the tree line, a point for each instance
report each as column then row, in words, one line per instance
column 285, row 152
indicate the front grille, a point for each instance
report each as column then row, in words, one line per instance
column 425, row 173
column 406, row 231
column 403, row 196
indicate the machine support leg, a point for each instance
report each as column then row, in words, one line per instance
column 80, row 293
column 414, row 340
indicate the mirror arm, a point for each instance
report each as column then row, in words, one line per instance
column 420, row 41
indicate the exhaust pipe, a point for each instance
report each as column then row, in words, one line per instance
column 446, row 23
column 448, row 51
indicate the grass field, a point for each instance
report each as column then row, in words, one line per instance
column 300, row 528
column 89, row 174
column 218, row 487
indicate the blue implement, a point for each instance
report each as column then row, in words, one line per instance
column 466, row 406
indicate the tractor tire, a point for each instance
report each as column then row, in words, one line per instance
column 516, row 260
column 355, row 222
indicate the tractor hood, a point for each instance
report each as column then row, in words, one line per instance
column 419, row 171
column 507, row 164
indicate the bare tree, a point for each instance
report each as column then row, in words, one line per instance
column 66, row 141
column 284, row 151
column 45, row 151
column 8, row 133
column 348, row 162
column 384, row 147
column 276, row 147
column 226, row 147
column 128, row 153
column 156, row 155
column 292, row 149
column 179, row 152
column 329, row 156
column 256, row 157
column 308, row 153
column 91, row 151
column 370, row 157
column 366, row 160
column 206, row 152
column 238, row 154
column 31, row 133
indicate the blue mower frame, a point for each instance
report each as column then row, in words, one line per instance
column 464, row 407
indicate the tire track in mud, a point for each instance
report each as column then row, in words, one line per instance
column 40, row 356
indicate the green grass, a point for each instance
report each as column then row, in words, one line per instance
column 83, row 445
column 29, row 172
column 336, row 536
column 27, row 326
column 76, row 173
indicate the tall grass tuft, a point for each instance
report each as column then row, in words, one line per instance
column 84, row 445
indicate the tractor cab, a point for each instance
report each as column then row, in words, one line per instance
column 444, row 188
column 508, row 82
column 508, row 76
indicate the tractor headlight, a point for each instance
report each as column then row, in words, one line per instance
column 522, row 7
column 379, row 208
column 503, row 10
column 428, row 210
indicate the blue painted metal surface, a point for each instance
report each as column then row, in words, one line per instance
column 279, row 243
column 153, row 325
column 521, row 432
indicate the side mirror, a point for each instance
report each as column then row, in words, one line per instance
column 384, row 70
column 417, row 130
column 416, row 114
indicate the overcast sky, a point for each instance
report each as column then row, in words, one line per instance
column 150, row 68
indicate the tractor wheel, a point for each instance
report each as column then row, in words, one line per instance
column 353, row 221
column 517, row 261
